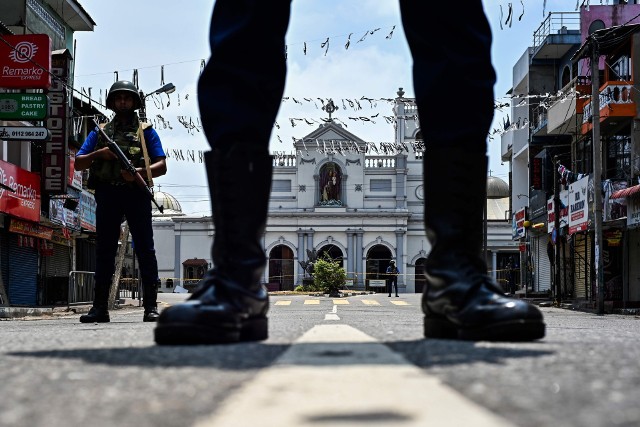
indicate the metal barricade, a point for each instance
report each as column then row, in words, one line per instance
column 128, row 288
column 81, row 287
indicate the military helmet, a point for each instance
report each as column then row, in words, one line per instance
column 124, row 86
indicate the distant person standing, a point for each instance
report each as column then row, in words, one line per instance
column 118, row 197
column 392, row 277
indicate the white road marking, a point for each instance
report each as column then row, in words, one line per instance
column 332, row 315
column 336, row 375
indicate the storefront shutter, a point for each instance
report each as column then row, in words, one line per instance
column 542, row 268
column 56, row 269
column 23, row 273
column 58, row 264
column 582, row 263
column 4, row 258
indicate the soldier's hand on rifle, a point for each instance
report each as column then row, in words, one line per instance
column 127, row 176
column 106, row 154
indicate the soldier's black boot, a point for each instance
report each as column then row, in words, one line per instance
column 150, row 302
column 99, row 313
column 460, row 300
column 230, row 303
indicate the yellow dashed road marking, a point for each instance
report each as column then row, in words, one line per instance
column 282, row 303
column 340, row 301
column 399, row 303
column 312, row 301
column 370, row 302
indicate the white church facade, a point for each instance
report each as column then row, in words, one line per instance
column 360, row 203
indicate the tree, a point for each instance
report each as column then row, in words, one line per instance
column 328, row 275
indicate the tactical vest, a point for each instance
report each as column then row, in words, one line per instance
column 127, row 138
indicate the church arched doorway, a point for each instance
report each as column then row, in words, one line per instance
column 333, row 251
column 378, row 258
column 281, row 268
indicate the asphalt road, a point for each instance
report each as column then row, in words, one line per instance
column 355, row 361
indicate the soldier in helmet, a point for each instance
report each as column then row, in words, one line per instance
column 117, row 196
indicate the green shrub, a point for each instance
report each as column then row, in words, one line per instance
column 328, row 275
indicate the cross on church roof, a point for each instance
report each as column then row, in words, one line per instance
column 330, row 108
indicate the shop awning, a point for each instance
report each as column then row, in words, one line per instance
column 626, row 192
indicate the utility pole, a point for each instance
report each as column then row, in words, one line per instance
column 113, row 291
column 556, row 230
column 597, row 171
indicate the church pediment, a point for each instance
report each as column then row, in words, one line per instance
column 327, row 132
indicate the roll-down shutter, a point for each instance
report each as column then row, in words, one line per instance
column 23, row 272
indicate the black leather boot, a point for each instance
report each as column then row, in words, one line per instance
column 460, row 300
column 150, row 302
column 230, row 303
column 99, row 312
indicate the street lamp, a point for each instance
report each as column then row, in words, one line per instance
column 168, row 88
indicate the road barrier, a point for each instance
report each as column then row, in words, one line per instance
column 81, row 288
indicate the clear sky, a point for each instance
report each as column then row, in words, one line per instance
column 166, row 40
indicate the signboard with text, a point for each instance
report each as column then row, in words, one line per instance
column 55, row 159
column 564, row 211
column 24, row 133
column 578, row 206
column 23, row 106
column 633, row 212
column 87, row 211
column 26, row 61
column 75, row 177
column 20, row 192
column 518, row 231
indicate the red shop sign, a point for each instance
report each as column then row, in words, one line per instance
column 24, row 201
column 26, row 61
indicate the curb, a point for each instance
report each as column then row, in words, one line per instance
column 9, row 313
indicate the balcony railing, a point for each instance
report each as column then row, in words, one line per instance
column 555, row 23
column 612, row 93
column 370, row 162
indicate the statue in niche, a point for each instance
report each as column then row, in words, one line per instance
column 330, row 179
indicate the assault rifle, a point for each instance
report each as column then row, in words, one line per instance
column 127, row 165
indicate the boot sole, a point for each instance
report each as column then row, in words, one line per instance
column 190, row 334
column 513, row 331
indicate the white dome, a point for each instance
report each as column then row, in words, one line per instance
column 496, row 188
column 170, row 205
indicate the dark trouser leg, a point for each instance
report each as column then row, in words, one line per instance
column 108, row 219
column 460, row 300
column 231, row 303
column 138, row 214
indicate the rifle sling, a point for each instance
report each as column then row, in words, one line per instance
column 145, row 153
